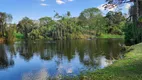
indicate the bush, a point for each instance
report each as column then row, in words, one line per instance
column 10, row 38
column 133, row 34
column 140, row 19
column 19, row 35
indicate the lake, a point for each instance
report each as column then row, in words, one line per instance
column 37, row 60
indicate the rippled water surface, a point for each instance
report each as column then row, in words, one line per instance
column 26, row 60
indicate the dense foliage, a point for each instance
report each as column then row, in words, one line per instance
column 4, row 19
column 115, row 22
column 133, row 33
column 90, row 23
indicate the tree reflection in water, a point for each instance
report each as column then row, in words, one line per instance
column 5, row 60
column 65, row 57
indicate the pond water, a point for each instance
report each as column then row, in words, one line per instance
column 41, row 59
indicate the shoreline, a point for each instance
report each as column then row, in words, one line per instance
column 128, row 68
column 104, row 36
column 107, row 36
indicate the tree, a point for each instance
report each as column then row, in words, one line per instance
column 10, row 37
column 68, row 13
column 115, row 22
column 88, row 14
column 44, row 31
column 4, row 20
column 25, row 26
column 92, row 18
column 44, row 21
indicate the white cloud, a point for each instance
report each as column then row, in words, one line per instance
column 60, row 2
column 57, row 1
column 127, row 6
column 63, row 1
column 43, row 4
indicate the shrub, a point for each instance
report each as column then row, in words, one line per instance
column 133, row 34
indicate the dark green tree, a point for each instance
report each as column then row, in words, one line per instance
column 4, row 20
column 25, row 26
column 115, row 22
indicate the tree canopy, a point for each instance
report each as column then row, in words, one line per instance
column 25, row 26
column 90, row 23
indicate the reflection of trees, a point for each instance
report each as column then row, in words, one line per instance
column 26, row 51
column 5, row 61
column 28, row 48
column 47, row 55
column 87, row 51
column 90, row 50
column 68, row 49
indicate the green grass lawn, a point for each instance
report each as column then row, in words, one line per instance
column 128, row 68
column 18, row 35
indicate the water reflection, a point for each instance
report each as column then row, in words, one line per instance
column 57, row 57
column 5, row 59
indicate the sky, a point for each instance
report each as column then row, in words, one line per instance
column 36, row 9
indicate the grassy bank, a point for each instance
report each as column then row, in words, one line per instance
column 111, row 36
column 19, row 36
column 129, row 68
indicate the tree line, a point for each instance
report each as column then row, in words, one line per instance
column 89, row 24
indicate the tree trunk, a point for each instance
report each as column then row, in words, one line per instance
column 26, row 33
column 140, row 7
column 137, row 8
